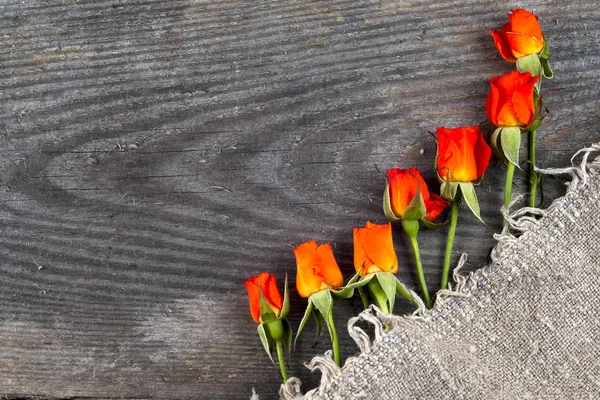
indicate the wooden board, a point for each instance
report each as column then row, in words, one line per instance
column 154, row 154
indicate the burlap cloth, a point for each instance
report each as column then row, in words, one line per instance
column 527, row 326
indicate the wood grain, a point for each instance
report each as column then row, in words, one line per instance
column 154, row 154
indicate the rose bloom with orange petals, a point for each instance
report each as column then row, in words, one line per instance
column 463, row 155
column 374, row 249
column 520, row 37
column 264, row 283
column 316, row 268
column 403, row 185
column 510, row 101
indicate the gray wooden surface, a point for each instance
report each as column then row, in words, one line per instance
column 154, row 154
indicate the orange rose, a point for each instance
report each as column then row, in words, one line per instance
column 521, row 36
column 264, row 283
column 510, row 100
column 402, row 187
column 463, row 155
column 374, row 249
column 316, row 268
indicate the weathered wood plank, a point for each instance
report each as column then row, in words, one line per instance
column 155, row 154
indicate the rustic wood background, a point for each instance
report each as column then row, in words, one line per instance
column 154, row 154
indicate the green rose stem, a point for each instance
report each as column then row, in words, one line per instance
column 335, row 345
column 280, row 358
column 533, row 176
column 275, row 330
column 510, row 172
column 450, row 242
column 411, row 227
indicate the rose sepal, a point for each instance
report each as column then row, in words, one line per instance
column 510, row 140
column 266, row 340
column 448, row 190
column 533, row 65
column 322, row 301
column 387, row 205
column 285, row 309
column 537, row 118
column 266, row 311
column 347, row 290
column 495, row 144
column 307, row 314
column 267, row 314
column 319, row 303
column 382, row 286
column 403, row 291
column 433, row 225
column 544, row 60
column 415, row 210
column 506, row 143
column 467, row 191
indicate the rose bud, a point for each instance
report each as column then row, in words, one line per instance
column 263, row 283
column 399, row 199
column 520, row 37
column 270, row 310
column 374, row 249
column 316, row 268
column 463, row 155
column 510, row 101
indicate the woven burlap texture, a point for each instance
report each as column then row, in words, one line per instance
column 527, row 326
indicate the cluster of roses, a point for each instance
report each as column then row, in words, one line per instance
column 513, row 105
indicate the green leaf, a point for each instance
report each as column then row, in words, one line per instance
column 304, row 320
column 285, row 309
column 403, row 291
column 468, row 193
column 287, row 336
column 266, row 341
column 510, row 139
column 387, row 206
column 266, row 311
column 416, row 209
column 323, row 301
